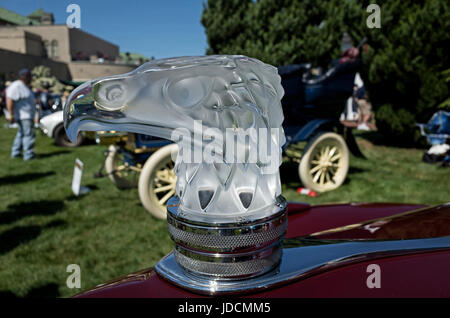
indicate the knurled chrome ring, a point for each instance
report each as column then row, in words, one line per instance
column 236, row 238
column 229, row 266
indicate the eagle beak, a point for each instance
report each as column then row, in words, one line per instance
column 96, row 105
column 79, row 104
column 117, row 103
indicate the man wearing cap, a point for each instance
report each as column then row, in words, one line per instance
column 20, row 103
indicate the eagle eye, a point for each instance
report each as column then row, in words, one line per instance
column 111, row 95
column 188, row 92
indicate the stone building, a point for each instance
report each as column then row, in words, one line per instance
column 72, row 54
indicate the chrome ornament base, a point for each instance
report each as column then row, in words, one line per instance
column 235, row 249
column 229, row 266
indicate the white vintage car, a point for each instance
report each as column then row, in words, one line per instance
column 53, row 126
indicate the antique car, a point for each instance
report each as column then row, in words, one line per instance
column 315, row 137
column 52, row 125
column 234, row 233
column 138, row 160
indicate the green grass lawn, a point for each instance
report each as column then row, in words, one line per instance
column 44, row 228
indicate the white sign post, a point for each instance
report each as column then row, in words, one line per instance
column 76, row 181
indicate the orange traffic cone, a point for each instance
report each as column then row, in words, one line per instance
column 309, row 193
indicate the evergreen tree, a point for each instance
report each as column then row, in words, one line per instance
column 403, row 69
column 279, row 32
column 225, row 22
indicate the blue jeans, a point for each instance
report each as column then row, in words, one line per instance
column 24, row 140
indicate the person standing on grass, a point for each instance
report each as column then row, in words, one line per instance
column 20, row 104
column 364, row 108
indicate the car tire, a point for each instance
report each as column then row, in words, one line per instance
column 158, row 174
column 123, row 179
column 62, row 140
column 324, row 163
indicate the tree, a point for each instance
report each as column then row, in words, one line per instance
column 226, row 24
column 43, row 78
column 403, row 69
column 278, row 32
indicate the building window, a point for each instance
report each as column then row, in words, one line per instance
column 47, row 48
column 54, row 49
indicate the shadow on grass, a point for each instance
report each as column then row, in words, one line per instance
column 73, row 197
column 25, row 177
column 351, row 172
column 51, row 154
column 93, row 187
column 21, row 210
column 376, row 138
column 18, row 235
column 355, row 170
column 373, row 137
column 45, row 291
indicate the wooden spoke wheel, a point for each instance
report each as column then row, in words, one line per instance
column 158, row 181
column 122, row 174
column 324, row 163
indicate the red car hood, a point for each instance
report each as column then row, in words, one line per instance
column 411, row 274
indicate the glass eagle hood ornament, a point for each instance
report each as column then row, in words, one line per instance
column 224, row 112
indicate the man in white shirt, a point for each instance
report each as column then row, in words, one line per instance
column 20, row 103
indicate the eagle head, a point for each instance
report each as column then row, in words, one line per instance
column 219, row 91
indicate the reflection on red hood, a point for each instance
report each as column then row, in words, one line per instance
column 422, row 223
